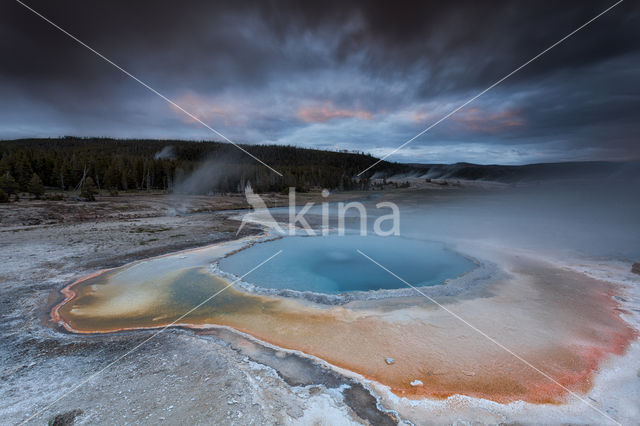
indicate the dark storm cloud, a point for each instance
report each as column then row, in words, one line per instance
column 354, row 75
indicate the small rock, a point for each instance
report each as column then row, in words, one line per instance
column 389, row 361
column 416, row 383
column 635, row 268
column 468, row 373
column 67, row 418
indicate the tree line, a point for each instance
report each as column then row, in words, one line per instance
column 71, row 163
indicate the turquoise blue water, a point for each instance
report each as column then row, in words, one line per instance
column 331, row 264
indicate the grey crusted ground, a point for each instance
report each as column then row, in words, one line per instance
column 178, row 376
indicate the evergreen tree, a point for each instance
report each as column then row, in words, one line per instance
column 89, row 189
column 9, row 185
column 111, row 178
column 35, row 186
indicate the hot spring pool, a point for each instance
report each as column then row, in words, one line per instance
column 331, row 264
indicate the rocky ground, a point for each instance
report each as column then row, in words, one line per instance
column 177, row 376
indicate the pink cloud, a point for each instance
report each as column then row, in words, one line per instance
column 422, row 116
column 482, row 121
column 327, row 111
column 205, row 110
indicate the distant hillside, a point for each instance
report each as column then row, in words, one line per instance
column 204, row 167
column 529, row 172
column 196, row 167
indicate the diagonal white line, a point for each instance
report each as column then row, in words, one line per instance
column 97, row 373
column 500, row 345
column 492, row 86
column 149, row 87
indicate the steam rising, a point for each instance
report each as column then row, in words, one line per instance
column 167, row 153
column 591, row 217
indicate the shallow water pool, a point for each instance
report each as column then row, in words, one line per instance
column 331, row 264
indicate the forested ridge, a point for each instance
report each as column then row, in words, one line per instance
column 121, row 165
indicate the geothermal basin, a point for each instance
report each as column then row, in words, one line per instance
column 332, row 264
column 562, row 322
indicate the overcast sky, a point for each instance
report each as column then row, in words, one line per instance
column 332, row 75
